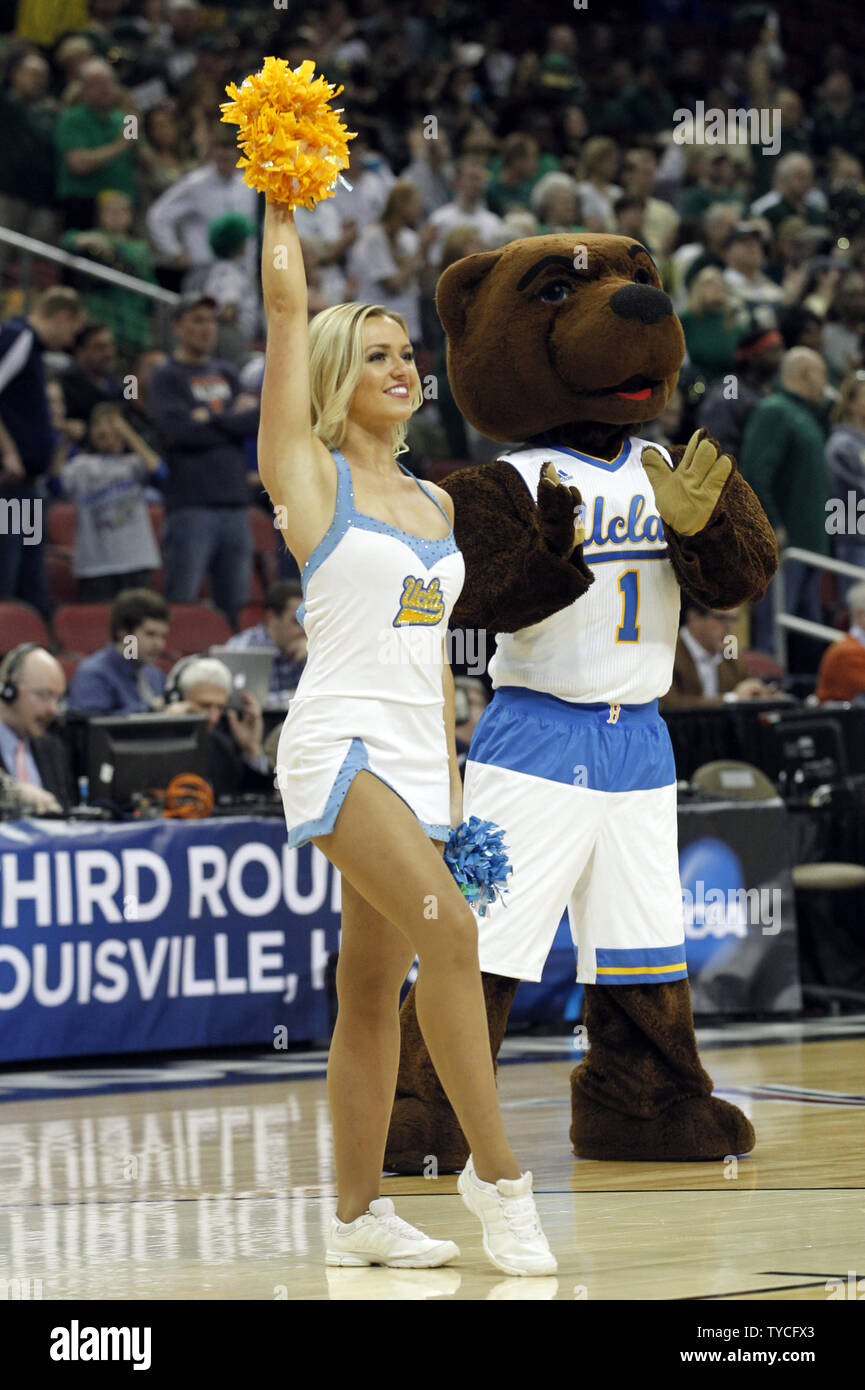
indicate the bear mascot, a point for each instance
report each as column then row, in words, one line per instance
column 578, row 545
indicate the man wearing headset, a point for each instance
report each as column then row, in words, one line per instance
column 32, row 686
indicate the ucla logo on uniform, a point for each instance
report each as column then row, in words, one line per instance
column 420, row 604
column 631, row 528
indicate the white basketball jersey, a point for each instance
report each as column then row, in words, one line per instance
column 617, row 642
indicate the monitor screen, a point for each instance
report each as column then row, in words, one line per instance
column 134, row 753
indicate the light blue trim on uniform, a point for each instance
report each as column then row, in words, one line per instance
column 613, row 467
column 640, row 965
column 600, row 559
column 577, row 744
column 345, row 514
column 355, row 761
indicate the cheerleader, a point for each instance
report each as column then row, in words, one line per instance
column 367, row 763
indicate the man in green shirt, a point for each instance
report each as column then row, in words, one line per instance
column 783, row 458
column 93, row 149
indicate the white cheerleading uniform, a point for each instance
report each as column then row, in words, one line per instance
column 572, row 759
column 376, row 603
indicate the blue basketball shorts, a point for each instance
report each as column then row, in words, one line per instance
column 586, row 796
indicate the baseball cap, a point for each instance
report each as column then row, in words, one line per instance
column 746, row 229
column 191, row 301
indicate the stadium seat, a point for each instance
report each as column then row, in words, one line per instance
column 81, row 628
column 21, row 623
column 62, row 584
column 194, row 628
column 157, row 581
column 251, row 616
column 256, row 588
column 69, row 663
column 62, row 524
column 763, row 666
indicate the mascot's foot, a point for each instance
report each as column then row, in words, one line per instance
column 694, row 1128
column 424, row 1140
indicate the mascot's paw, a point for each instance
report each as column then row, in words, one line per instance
column 424, row 1139
column 687, row 496
column 562, row 513
column 694, row 1128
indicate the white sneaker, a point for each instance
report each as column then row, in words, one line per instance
column 513, row 1238
column 380, row 1237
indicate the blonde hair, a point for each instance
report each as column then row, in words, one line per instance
column 847, row 393
column 336, row 361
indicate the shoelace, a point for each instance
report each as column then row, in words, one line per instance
column 402, row 1228
column 522, row 1217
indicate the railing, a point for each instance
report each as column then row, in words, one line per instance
column 31, row 249
column 786, row 622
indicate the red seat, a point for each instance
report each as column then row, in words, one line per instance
column 194, row 628
column 256, row 588
column 62, row 584
column 21, row 623
column 61, row 524
column 157, row 581
column 250, row 616
column 763, row 666
column 82, row 628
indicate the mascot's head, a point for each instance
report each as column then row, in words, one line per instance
column 550, row 330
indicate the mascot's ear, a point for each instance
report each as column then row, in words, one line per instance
column 456, row 288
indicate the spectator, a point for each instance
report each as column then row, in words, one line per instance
column 111, row 244
column 794, row 194
column 839, row 118
column 520, row 170
column 202, row 420
column 744, row 256
column 660, row 219
column 596, row 190
column 371, row 180
column 235, row 758
column 630, row 213
column 430, row 168
column 707, row 670
column 115, row 547
column 27, row 440
column 842, row 670
column 33, row 686
column 179, row 220
column 724, row 411
column 468, row 209
column 162, row 155
column 280, row 633
column 556, row 204
column 90, row 379
column 800, row 327
column 666, row 430
column 121, row 678
column 460, row 242
column 386, row 259
column 713, row 326
column 67, row 433
column 136, row 394
column 94, row 150
column 227, row 282
column 845, row 462
column 842, row 338
column 693, row 256
column 783, row 460
column 27, row 157
column 716, row 183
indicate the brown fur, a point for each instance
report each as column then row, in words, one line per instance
column 546, row 371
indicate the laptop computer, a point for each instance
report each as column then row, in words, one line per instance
column 250, row 669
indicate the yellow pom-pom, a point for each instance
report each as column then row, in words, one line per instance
column 293, row 142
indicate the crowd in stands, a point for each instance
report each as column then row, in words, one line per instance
column 475, row 126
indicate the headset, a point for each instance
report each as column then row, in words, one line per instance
column 11, row 663
column 172, row 693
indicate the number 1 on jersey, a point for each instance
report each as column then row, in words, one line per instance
column 629, row 588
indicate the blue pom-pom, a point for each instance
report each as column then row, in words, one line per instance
column 477, row 857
